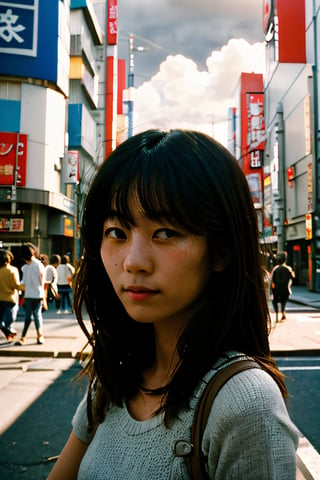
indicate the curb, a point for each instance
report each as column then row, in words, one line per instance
column 296, row 353
column 308, row 460
column 45, row 354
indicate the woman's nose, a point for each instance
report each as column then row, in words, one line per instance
column 138, row 257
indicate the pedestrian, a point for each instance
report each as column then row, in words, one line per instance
column 172, row 280
column 51, row 286
column 9, row 294
column 281, row 281
column 65, row 273
column 33, row 278
column 44, row 259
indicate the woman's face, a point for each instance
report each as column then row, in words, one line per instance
column 157, row 270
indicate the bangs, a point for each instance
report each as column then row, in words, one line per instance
column 154, row 187
column 169, row 177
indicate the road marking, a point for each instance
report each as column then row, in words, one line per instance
column 300, row 368
column 308, row 320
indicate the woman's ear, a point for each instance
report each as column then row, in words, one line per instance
column 222, row 259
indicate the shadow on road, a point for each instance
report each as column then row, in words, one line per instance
column 41, row 431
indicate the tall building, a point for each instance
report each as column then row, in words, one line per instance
column 287, row 161
column 52, row 120
column 291, row 117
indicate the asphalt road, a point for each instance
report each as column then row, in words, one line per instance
column 303, row 384
column 41, row 431
column 32, row 441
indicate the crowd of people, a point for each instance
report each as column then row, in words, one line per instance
column 41, row 281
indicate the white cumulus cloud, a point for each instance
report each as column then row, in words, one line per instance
column 180, row 95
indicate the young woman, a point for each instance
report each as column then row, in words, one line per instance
column 172, row 280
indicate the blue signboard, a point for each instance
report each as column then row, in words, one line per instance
column 29, row 38
column 19, row 27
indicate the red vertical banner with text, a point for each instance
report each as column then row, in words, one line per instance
column 109, row 106
column 13, row 157
column 112, row 22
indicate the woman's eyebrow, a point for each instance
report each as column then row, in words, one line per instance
column 113, row 215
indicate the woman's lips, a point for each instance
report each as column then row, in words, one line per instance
column 140, row 293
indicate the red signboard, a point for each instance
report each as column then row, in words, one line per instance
column 11, row 224
column 292, row 31
column 13, row 155
column 112, row 22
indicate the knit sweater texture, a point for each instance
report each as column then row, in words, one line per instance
column 249, row 435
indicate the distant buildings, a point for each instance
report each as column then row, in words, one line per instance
column 288, row 157
column 52, row 118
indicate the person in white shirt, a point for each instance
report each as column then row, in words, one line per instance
column 51, row 285
column 65, row 273
column 33, row 278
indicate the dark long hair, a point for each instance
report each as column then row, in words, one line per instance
column 193, row 181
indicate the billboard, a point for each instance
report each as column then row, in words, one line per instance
column 13, row 155
column 29, row 38
column 19, row 27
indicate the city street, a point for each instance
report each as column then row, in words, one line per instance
column 303, row 381
column 29, row 446
column 38, row 393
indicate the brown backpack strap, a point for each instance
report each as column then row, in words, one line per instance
column 202, row 411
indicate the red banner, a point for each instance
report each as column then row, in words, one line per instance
column 112, row 22
column 13, row 154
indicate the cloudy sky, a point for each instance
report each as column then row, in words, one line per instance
column 194, row 53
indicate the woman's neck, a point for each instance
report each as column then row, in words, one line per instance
column 166, row 359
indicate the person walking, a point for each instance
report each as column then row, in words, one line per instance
column 33, row 278
column 51, row 285
column 9, row 294
column 65, row 273
column 281, row 280
column 171, row 278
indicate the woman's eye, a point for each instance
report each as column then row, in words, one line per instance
column 115, row 233
column 166, row 233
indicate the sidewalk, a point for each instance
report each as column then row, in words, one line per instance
column 302, row 295
column 64, row 340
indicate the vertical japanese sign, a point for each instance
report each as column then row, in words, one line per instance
column 13, row 154
column 112, row 22
column 19, row 27
column 256, row 128
column 72, row 167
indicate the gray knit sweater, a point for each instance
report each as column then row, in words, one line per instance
column 249, row 436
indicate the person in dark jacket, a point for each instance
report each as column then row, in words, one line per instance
column 281, row 280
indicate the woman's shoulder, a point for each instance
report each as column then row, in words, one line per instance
column 253, row 388
column 251, row 393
